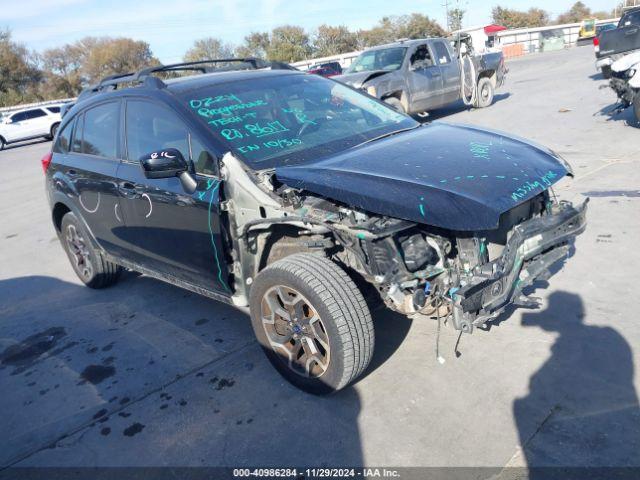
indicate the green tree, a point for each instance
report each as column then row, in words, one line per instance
column 109, row 56
column 62, row 68
column 330, row 40
column 578, row 12
column 207, row 49
column 19, row 74
column 390, row 29
column 510, row 18
column 288, row 43
column 255, row 44
column 455, row 18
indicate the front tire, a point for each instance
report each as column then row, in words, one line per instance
column 394, row 103
column 87, row 262
column 312, row 323
column 485, row 93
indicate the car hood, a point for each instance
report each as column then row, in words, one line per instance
column 455, row 177
column 626, row 62
column 357, row 80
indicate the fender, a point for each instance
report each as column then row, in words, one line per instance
column 59, row 197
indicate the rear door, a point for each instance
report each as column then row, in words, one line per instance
column 40, row 122
column 449, row 69
column 168, row 230
column 425, row 79
column 90, row 166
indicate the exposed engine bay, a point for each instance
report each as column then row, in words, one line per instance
column 468, row 277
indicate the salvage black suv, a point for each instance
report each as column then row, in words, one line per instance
column 293, row 194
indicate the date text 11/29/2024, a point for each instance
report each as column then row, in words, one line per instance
column 313, row 473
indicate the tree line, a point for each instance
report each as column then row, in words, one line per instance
column 28, row 76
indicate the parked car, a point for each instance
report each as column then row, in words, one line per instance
column 29, row 123
column 415, row 76
column 328, row 69
column 614, row 44
column 294, row 194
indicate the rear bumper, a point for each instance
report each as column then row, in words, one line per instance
column 532, row 248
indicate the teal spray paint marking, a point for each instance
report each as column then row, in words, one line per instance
column 421, row 207
column 214, row 191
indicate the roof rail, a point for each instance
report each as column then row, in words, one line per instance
column 144, row 75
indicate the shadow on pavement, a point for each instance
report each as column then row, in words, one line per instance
column 458, row 107
column 75, row 363
column 25, row 143
column 582, row 408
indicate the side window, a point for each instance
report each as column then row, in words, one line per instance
column 76, row 143
column 421, row 58
column 54, row 109
column 37, row 113
column 153, row 127
column 202, row 159
column 100, row 131
column 19, row 117
column 64, row 138
column 442, row 54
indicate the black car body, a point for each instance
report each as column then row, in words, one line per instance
column 613, row 44
column 292, row 193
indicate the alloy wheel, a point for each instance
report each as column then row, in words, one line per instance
column 295, row 331
column 79, row 252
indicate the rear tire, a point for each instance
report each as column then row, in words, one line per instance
column 394, row 103
column 485, row 93
column 54, row 129
column 87, row 262
column 312, row 322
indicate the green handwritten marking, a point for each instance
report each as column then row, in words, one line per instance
column 443, row 181
column 484, row 176
column 421, row 207
column 360, row 235
column 543, row 182
column 470, row 176
column 213, row 242
column 515, row 179
column 202, row 194
column 500, row 176
column 482, row 247
column 457, row 178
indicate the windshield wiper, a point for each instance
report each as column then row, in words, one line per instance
column 388, row 134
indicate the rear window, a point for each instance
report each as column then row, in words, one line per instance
column 100, row 132
column 36, row 113
column 631, row 18
column 54, row 109
column 64, row 137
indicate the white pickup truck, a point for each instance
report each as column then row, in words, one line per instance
column 29, row 123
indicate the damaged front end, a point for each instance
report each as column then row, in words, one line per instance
column 467, row 276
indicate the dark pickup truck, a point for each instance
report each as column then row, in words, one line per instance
column 613, row 44
column 415, row 76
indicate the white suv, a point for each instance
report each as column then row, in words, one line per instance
column 29, row 123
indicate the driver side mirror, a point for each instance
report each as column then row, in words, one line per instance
column 168, row 163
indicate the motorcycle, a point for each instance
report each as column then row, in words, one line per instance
column 625, row 81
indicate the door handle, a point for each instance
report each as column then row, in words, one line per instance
column 128, row 189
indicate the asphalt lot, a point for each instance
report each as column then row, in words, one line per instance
column 146, row 374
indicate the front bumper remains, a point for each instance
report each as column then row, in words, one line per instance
column 532, row 248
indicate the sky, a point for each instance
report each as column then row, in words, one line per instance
column 171, row 27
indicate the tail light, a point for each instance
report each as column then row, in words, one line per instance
column 46, row 161
column 596, row 44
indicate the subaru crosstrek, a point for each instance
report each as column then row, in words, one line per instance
column 293, row 194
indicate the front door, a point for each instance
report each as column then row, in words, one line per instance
column 425, row 80
column 168, row 230
column 450, row 72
